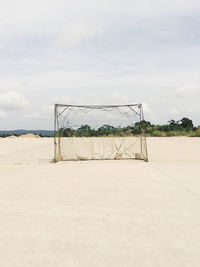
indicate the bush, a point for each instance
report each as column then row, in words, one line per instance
column 195, row 133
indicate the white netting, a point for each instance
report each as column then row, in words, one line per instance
column 99, row 132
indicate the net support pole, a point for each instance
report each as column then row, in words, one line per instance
column 144, row 136
column 141, row 128
column 55, row 129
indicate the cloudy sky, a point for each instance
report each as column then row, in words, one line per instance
column 98, row 52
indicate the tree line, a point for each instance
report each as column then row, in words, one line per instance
column 183, row 127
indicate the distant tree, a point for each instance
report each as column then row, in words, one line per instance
column 143, row 125
column 68, row 132
column 84, row 130
column 173, row 125
column 106, row 130
column 137, row 128
column 186, row 123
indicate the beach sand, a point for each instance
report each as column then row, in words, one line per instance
column 100, row 213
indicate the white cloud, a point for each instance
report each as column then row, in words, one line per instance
column 149, row 113
column 188, row 92
column 76, row 33
column 12, row 101
column 99, row 52
column 3, row 114
column 180, row 102
column 174, row 112
column 45, row 113
column 183, row 95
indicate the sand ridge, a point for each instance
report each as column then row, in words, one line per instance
column 28, row 135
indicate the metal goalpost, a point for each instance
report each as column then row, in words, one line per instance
column 78, row 132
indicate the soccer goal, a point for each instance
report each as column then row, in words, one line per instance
column 94, row 132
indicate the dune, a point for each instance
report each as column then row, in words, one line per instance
column 29, row 135
column 12, row 136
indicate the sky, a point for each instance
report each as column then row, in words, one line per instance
column 98, row 52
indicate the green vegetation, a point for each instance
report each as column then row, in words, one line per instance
column 184, row 127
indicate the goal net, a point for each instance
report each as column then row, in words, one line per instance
column 99, row 132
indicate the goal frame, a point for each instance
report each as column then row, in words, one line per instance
column 131, row 106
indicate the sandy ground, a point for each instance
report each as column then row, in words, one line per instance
column 100, row 213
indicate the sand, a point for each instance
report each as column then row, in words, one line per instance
column 100, row 213
column 29, row 135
